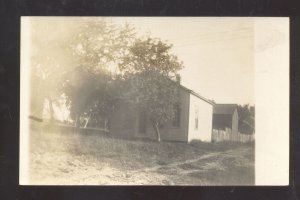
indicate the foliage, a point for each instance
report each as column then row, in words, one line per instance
column 49, row 54
column 99, row 62
column 150, row 70
column 90, row 94
column 246, row 119
column 151, row 54
column 99, row 45
column 73, row 43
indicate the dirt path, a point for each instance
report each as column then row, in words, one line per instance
column 175, row 165
column 173, row 173
column 156, row 172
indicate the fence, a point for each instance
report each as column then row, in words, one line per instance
column 228, row 135
column 64, row 128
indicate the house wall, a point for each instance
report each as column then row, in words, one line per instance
column 221, row 121
column 168, row 132
column 205, row 115
column 123, row 121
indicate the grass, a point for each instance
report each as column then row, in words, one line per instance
column 66, row 157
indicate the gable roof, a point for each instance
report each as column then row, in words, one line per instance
column 225, row 109
column 197, row 95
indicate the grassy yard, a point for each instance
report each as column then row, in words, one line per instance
column 76, row 159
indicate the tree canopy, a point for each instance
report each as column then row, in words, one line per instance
column 246, row 118
column 150, row 70
column 98, row 47
column 100, row 62
column 49, row 55
column 61, row 47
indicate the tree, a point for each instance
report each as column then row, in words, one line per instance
column 59, row 46
column 98, row 46
column 90, row 94
column 246, row 118
column 51, row 59
column 149, row 70
column 79, row 89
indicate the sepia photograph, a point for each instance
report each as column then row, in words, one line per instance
column 140, row 100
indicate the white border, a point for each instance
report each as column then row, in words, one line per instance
column 24, row 100
column 272, row 101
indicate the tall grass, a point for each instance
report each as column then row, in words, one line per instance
column 101, row 146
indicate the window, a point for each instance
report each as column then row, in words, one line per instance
column 196, row 117
column 176, row 119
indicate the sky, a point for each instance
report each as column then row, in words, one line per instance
column 218, row 53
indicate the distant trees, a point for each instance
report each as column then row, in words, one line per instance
column 246, row 118
column 149, row 70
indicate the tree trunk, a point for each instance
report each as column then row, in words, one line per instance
column 87, row 121
column 157, row 132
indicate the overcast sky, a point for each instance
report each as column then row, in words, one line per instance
column 218, row 53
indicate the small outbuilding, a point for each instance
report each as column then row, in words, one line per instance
column 226, row 116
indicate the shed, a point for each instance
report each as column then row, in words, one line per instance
column 225, row 116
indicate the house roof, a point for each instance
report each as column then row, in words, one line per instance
column 198, row 95
column 225, row 109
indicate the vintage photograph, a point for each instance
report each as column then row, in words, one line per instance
column 137, row 101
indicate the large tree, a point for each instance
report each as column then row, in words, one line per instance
column 99, row 44
column 50, row 60
column 90, row 94
column 150, row 70
column 63, row 45
column 98, row 47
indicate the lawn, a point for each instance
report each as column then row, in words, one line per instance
column 62, row 157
